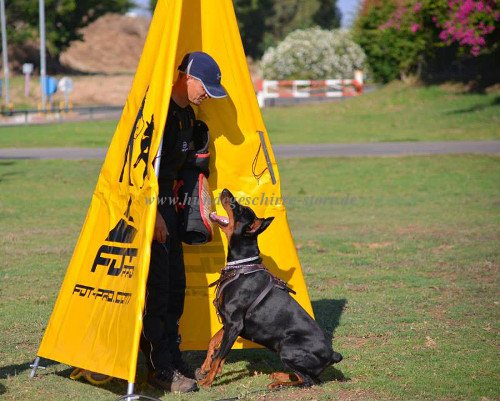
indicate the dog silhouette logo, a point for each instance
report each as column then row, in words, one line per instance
column 145, row 145
column 144, row 130
column 124, row 232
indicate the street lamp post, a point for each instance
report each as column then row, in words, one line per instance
column 43, row 68
column 5, row 57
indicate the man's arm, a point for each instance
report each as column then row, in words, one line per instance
column 161, row 231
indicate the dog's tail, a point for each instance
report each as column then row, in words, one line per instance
column 336, row 357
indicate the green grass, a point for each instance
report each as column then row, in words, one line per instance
column 16, row 90
column 87, row 134
column 394, row 113
column 400, row 255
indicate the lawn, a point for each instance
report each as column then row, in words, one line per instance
column 393, row 113
column 400, row 255
column 87, row 134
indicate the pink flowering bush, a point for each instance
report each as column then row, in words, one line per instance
column 468, row 23
column 416, row 28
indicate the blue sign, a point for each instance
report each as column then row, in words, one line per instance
column 49, row 85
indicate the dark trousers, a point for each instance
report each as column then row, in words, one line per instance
column 165, row 291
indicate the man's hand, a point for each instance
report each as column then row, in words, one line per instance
column 161, row 231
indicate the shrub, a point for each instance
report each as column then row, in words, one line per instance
column 313, row 54
column 399, row 35
column 395, row 44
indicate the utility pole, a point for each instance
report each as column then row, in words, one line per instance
column 43, row 68
column 5, row 57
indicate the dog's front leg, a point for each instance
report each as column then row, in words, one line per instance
column 230, row 334
column 212, row 346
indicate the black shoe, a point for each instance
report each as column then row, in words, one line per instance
column 172, row 381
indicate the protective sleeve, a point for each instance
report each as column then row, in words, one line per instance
column 193, row 192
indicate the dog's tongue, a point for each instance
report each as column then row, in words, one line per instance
column 223, row 221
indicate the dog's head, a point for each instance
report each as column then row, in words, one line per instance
column 241, row 221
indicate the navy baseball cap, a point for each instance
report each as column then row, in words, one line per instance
column 203, row 67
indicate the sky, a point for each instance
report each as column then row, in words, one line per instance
column 347, row 7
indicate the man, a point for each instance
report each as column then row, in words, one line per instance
column 199, row 79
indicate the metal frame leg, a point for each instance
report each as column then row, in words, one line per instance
column 34, row 367
column 130, row 390
column 268, row 159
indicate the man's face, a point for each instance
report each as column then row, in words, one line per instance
column 195, row 91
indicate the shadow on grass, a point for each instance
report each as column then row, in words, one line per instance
column 6, row 175
column 14, row 370
column 119, row 386
column 328, row 313
column 116, row 386
column 477, row 107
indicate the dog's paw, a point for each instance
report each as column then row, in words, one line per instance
column 199, row 374
column 205, row 383
column 336, row 358
column 280, row 376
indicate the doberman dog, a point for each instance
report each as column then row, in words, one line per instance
column 255, row 305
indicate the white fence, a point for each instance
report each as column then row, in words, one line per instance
column 267, row 89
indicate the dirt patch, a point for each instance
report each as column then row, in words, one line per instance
column 332, row 282
column 110, row 51
column 442, row 248
column 355, row 342
column 357, row 287
column 430, row 342
column 413, row 229
column 112, row 44
column 299, row 394
column 373, row 245
column 100, row 89
column 493, row 89
column 313, row 245
column 317, row 393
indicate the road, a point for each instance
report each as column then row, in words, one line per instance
column 291, row 151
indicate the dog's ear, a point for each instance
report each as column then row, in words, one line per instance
column 265, row 224
column 259, row 225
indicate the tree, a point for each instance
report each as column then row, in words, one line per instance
column 255, row 18
column 401, row 36
column 390, row 53
column 284, row 12
column 328, row 15
column 63, row 19
column 253, row 21
column 264, row 23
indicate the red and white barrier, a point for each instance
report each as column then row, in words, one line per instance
column 267, row 89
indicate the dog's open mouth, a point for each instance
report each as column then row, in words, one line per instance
column 222, row 221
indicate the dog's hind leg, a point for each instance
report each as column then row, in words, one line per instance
column 297, row 378
column 282, row 379
column 231, row 333
column 281, row 376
